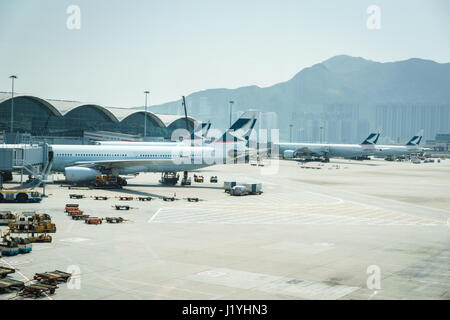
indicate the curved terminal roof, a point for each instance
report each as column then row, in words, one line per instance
column 169, row 119
column 64, row 107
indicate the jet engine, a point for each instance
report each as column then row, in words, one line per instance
column 80, row 174
column 288, row 154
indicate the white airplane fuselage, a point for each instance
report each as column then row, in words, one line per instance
column 163, row 158
column 390, row 151
column 330, row 150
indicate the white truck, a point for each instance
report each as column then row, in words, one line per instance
column 244, row 189
column 20, row 196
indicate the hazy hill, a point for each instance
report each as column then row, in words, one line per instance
column 341, row 80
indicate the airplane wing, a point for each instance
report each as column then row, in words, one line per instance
column 121, row 163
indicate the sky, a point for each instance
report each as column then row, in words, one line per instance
column 177, row 47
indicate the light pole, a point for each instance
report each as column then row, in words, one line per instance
column 321, row 134
column 145, row 114
column 290, row 132
column 231, row 110
column 12, row 101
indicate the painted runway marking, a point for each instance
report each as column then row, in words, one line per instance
column 314, row 217
column 24, row 276
column 154, row 216
column 280, row 285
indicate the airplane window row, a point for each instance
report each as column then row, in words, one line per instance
column 90, row 155
column 155, row 155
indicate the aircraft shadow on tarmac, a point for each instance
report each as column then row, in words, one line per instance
column 175, row 186
column 155, row 195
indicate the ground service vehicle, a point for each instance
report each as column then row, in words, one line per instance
column 20, row 196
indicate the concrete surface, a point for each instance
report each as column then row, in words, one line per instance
column 312, row 234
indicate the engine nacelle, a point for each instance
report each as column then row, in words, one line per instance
column 80, row 174
column 288, row 154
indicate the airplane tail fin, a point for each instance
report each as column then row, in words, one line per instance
column 201, row 131
column 241, row 128
column 206, row 129
column 372, row 138
column 415, row 141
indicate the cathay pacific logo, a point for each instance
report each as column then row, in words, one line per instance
column 371, row 139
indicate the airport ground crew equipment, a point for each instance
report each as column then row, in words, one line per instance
column 213, row 179
column 145, row 198
column 251, row 188
column 52, row 278
column 227, row 185
column 32, row 222
column 24, row 245
column 169, row 198
column 7, row 285
column 9, row 246
column 93, row 220
column 43, row 238
column 126, row 198
column 238, row 191
column 199, row 179
column 20, row 196
column 186, row 181
column 72, row 211
column 69, row 206
column 246, row 189
column 37, row 289
column 80, row 217
column 193, row 199
column 6, row 217
column 122, row 207
column 114, row 219
column 76, row 214
column 4, row 271
column 108, row 182
column 76, row 196
column 169, row 178
column 100, row 197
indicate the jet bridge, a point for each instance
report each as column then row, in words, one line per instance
column 32, row 159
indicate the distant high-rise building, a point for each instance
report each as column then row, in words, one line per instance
column 398, row 122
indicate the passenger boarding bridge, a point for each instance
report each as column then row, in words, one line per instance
column 32, row 159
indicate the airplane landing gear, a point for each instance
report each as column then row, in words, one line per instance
column 186, row 181
column 169, row 178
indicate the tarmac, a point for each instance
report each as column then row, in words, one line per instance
column 340, row 230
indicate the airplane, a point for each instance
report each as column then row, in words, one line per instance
column 82, row 163
column 327, row 150
column 392, row 151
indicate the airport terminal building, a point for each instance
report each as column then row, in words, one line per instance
column 71, row 119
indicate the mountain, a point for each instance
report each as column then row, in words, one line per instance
column 341, row 80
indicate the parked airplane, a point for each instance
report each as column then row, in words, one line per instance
column 392, row 151
column 82, row 163
column 327, row 150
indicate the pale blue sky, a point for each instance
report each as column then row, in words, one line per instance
column 175, row 47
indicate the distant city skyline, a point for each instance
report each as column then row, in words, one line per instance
column 175, row 48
